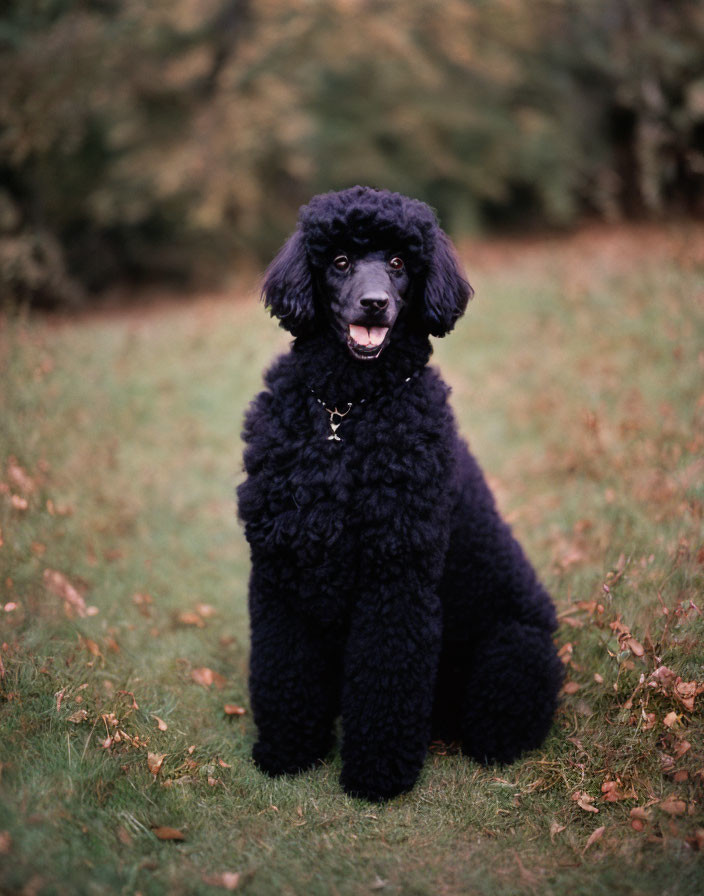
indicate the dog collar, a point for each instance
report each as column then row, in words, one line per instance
column 337, row 416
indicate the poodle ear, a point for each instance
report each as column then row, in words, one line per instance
column 446, row 290
column 288, row 286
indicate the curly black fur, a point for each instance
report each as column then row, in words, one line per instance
column 385, row 587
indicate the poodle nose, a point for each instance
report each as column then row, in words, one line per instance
column 374, row 302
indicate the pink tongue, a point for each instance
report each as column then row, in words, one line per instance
column 368, row 335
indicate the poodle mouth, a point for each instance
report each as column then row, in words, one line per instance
column 366, row 343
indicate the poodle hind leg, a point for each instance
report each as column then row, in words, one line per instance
column 511, row 693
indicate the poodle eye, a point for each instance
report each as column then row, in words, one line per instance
column 396, row 263
column 342, row 263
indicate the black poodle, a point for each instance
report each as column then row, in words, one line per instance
column 385, row 587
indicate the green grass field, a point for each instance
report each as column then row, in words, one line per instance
column 578, row 376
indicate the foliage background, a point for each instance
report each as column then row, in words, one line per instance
column 168, row 139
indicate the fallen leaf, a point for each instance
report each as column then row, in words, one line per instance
column 670, row 719
column 188, row 617
column 19, row 503
column 593, row 837
column 57, row 583
column 686, row 691
column 142, row 601
column 155, row 762
column 226, row 880
column 207, row 677
column 135, row 705
column 584, row 801
column 223, row 764
column 611, row 791
column 640, row 813
column 91, row 646
column 680, row 776
column 80, row 715
column 206, row 610
column 5, row 842
column 637, row 824
column 565, row 652
column 160, row 723
column 18, row 476
column 10, row 606
column 634, row 646
column 232, row 709
column 571, row 687
column 556, row 828
column 681, row 747
column 378, row 883
column 673, row 806
column 166, row 833
column 598, row 678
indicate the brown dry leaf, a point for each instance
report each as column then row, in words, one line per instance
column 686, row 691
column 663, row 678
column 670, row 719
column 593, row 837
column 5, row 843
column 680, row 776
column 135, row 705
column 640, row 813
column 556, row 828
column 232, row 709
column 80, row 715
column 57, row 583
column 18, row 476
column 571, row 687
column 634, row 646
column 565, row 652
column 19, row 503
column 223, row 764
column 206, row 610
column 637, row 824
column 681, row 747
column 584, row 801
column 188, row 617
column 226, row 880
column 598, row 678
column 612, row 792
column 160, row 723
column 91, row 646
column 673, row 806
column 207, row 677
column 59, row 697
column 142, row 601
column 166, row 833
column 155, row 762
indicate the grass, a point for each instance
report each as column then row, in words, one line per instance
column 578, row 376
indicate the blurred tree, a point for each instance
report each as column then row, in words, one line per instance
column 163, row 138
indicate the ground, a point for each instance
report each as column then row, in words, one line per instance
column 578, row 375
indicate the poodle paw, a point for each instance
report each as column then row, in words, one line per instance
column 274, row 763
column 365, row 787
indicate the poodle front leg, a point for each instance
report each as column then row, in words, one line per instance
column 390, row 666
column 294, row 689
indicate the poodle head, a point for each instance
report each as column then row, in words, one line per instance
column 357, row 250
